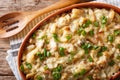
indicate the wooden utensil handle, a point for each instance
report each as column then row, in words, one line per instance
column 57, row 5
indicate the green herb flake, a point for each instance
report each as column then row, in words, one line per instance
column 110, row 38
column 86, row 24
column 21, row 67
column 33, row 35
column 95, row 47
column 76, row 74
column 46, row 67
column 48, row 54
column 111, row 63
column 83, row 72
column 103, row 48
column 90, row 59
column 80, row 30
column 86, row 51
column 96, row 24
column 99, row 54
column 70, row 58
column 59, row 68
column 83, row 33
column 90, row 77
column 39, row 77
column 103, row 20
column 116, row 32
column 68, row 37
column 55, row 36
column 56, row 75
column 29, row 66
column 47, row 41
column 43, row 37
column 61, row 51
column 41, row 57
column 86, row 47
column 91, row 32
column 45, row 53
column 38, row 53
column 118, row 57
column 118, row 46
column 72, row 53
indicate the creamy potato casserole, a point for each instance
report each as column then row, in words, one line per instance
column 82, row 44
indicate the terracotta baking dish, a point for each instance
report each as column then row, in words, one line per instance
column 81, row 5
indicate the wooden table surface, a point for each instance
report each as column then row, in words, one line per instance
column 9, row 6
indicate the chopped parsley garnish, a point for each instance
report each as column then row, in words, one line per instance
column 33, row 35
column 45, row 53
column 99, row 54
column 118, row 57
column 90, row 77
column 43, row 37
column 59, row 68
column 29, row 66
column 111, row 63
column 39, row 77
column 86, row 47
column 21, row 67
column 116, row 32
column 103, row 20
column 118, row 46
column 96, row 24
column 46, row 41
column 61, row 51
column 81, row 73
column 90, row 59
column 48, row 54
column 41, row 57
column 110, row 38
column 86, row 24
column 70, row 58
column 45, row 67
column 102, row 49
column 55, row 36
column 91, row 32
column 68, row 37
column 81, row 31
column 56, row 73
column 38, row 53
column 95, row 47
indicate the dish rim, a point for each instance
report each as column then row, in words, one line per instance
column 60, row 11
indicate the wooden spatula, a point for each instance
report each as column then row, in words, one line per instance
column 13, row 23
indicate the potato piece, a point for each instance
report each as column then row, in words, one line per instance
column 91, row 15
column 111, row 15
column 30, row 56
column 53, row 28
column 30, row 47
column 76, row 13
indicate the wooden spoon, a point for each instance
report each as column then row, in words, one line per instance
column 13, row 23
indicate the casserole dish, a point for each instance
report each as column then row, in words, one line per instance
column 104, row 44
